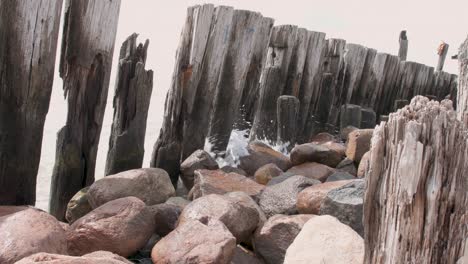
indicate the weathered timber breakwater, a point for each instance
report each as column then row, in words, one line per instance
column 376, row 153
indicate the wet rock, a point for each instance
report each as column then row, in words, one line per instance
column 358, row 144
column 219, row 182
column 281, row 198
column 260, row 154
column 273, row 239
column 340, row 176
column 165, row 217
column 265, row 173
column 178, row 201
column 140, row 183
column 121, row 226
column 245, row 256
column 323, row 239
column 348, row 166
column 207, row 241
column 361, row 173
column 98, row 257
column 78, row 206
column 312, row 170
column 199, row 160
column 330, row 154
column 310, row 199
column 26, row 231
column 346, row 203
column 241, row 220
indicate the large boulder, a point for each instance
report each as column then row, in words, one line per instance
column 346, row 204
column 206, row 241
column 247, row 201
column 178, row 201
column 329, row 153
column 281, row 198
column 26, row 231
column 98, row 257
column 322, row 138
column 312, row 170
column 323, row 239
column 265, row 173
column 151, row 185
column 121, row 226
column 358, row 143
column 165, row 217
column 273, row 239
column 240, row 219
column 260, row 154
column 245, row 256
column 78, row 206
column 310, row 199
column 219, row 182
column 348, row 166
column 361, row 172
column 229, row 169
column 199, row 160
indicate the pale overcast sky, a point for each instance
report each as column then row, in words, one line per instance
column 372, row 23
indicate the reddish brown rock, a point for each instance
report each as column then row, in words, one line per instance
column 140, row 183
column 98, row 257
column 121, row 226
column 273, row 239
column 199, row 160
column 26, row 231
column 241, row 220
column 358, row 144
column 322, row 138
column 310, row 199
column 219, row 182
column 312, row 170
column 361, row 173
column 260, row 154
column 330, row 153
column 207, row 241
column 265, row 173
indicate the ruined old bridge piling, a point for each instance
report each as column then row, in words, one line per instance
column 234, row 70
column 243, row 77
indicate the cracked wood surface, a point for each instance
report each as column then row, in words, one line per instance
column 28, row 33
column 87, row 47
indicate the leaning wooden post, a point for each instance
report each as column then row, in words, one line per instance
column 29, row 31
column 442, row 52
column 89, row 34
column 288, row 110
column 416, row 199
column 462, row 89
column 403, row 50
column 131, row 102
column 274, row 77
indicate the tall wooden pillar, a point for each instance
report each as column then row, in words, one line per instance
column 89, row 33
column 28, row 44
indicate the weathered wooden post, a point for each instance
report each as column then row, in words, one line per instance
column 399, row 104
column 89, row 34
column 131, row 102
column 323, row 105
column 273, row 81
column 187, row 73
column 350, row 115
column 403, row 50
column 252, row 82
column 462, row 93
column 28, row 33
column 245, row 30
column 442, row 52
column 416, row 199
column 368, row 118
column 288, row 110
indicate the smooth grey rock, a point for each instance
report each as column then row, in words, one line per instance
column 340, row 176
column 199, row 159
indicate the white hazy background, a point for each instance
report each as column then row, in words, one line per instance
column 372, row 23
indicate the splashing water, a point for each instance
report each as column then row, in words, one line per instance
column 237, row 148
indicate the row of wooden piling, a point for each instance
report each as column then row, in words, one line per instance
column 233, row 70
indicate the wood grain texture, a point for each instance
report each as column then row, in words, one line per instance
column 288, row 110
column 132, row 96
column 28, row 33
column 89, row 33
column 416, row 199
column 462, row 95
column 403, row 48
